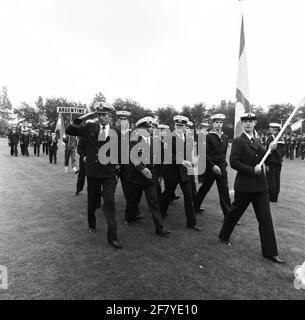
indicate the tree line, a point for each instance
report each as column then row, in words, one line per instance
column 43, row 114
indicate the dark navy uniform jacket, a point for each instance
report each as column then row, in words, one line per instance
column 13, row 138
column 134, row 173
column 82, row 148
column 245, row 155
column 176, row 171
column 216, row 150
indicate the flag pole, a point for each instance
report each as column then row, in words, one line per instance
column 302, row 103
column 242, row 85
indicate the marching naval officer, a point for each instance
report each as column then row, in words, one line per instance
column 96, row 135
column 250, row 187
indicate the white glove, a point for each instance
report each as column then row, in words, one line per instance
column 187, row 164
column 216, row 170
column 257, row 169
column 146, row 173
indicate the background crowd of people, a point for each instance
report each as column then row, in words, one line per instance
column 43, row 142
column 294, row 145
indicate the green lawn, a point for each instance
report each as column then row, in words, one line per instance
column 49, row 254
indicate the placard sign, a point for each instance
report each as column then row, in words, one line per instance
column 71, row 110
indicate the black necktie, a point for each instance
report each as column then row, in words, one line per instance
column 254, row 142
column 102, row 135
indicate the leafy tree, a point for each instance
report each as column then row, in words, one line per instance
column 5, row 105
column 278, row 112
column 41, row 111
column 187, row 112
column 137, row 111
column 5, row 110
column 99, row 97
column 4, row 127
column 166, row 115
column 198, row 113
column 27, row 113
column 262, row 125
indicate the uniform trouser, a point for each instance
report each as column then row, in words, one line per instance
column 274, row 182
column 22, row 149
column 132, row 207
column 186, row 187
column 194, row 189
column 70, row 152
column 26, row 149
column 303, row 153
column 291, row 153
column 94, row 189
column 81, row 176
column 208, row 179
column 152, row 201
column 53, row 155
column 14, row 150
column 47, row 149
column 44, row 148
column 297, row 151
column 261, row 206
column 36, row 149
column 287, row 151
column 159, row 188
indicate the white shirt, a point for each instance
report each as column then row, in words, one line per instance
column 248, row 135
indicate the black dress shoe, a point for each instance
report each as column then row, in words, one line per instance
column 92, row 230
column 195, row 227
column 139, row 217
column 227, row 243
column 76, row 194
column 276, row 259
column 162, row 232
column 115, row 243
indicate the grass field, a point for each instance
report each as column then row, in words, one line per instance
column 49, row 254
